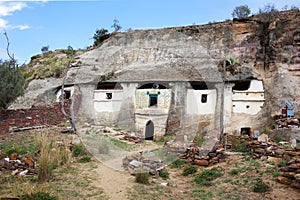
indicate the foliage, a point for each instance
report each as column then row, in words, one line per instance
column 267, row 13
column 99, row 36
column 234, row 172
column 190, row 169
column 207, row 176
column 260, row 186
column 11, row 83
column 241, row 11
column 78, row 150
column 45, row 49
column 164, row 174
column 39, row 196
column 199, row 140
column 142, row 177
column 232, row 61
column 202, row 194
column 85, row 159
column 116, row 25
column 178, row 163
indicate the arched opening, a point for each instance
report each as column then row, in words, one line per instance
column 149, row 130
column 152, row 86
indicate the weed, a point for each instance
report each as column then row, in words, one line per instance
column 260, row 186
column 202, row 194
column 234, row 172
column 207, row 176
column 199, row 140
column 164, row 174
column 178, row 163
column 85, row 159
column 190, row 169
column 78, row 150
column 142, row 177
column 39, row 196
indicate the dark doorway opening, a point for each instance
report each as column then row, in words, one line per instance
column 149, row 130
column 203, row 98
column 246, row 131
column 67, row 94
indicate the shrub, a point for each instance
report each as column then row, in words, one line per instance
column 241, row 11
column 164, row 174
column 39, row 196
column 189, row 170
column 78, row 150
column 234, row 172
column 178, row 163
column 85, row 159
column 142, row 177
column 260, row 186
column 207, row 176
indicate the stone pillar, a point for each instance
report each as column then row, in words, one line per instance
column 219, row 112
column 87, row 100
column 126, row 115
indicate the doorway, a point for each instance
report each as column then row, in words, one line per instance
column 149, row 130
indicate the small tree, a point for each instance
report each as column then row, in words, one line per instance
column 267, row 13
column 116, row 25
column 11, row 79
column 241, row 11
column 45, row 49
column 98, row 36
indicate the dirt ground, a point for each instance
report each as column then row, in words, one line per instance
column 95, row 180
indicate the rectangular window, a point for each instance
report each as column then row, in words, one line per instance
column 203, row 98
column 109, row 95
column 153, row 101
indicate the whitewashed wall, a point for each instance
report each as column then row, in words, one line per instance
column 194, row 104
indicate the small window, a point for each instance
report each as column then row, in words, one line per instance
column 153, row 101
column 233, row 105
column 203, row 98
column 67, row 94
column 246, row 131
column 247, row 106
column 109, row 95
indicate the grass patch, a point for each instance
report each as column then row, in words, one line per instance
column 260, row 186
column 39, row 196
column 190, row 169
column 164, row 174
column 85, row 159
column 207, row 176
column 202, row 194
column 142, row 177
column 178, row 163
column 234, row 172
column 78, row 150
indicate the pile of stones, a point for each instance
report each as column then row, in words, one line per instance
column 291, row 173
column 20, row 166
column 145, row 161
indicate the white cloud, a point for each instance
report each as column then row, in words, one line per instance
column 8, row 8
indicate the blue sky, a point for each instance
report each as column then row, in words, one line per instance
column 31, row 25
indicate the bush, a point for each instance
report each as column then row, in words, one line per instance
column 39, row 196
column 142, row 177
column 78, row 150
column 260, row 186
column 234, row 172
column 178, row 163
column 207, row 176
column 85, row 159
column 241, row 11
column 189, row 170
column 164, row 174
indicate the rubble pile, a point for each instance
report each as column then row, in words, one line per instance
column 21, row 166
column 291, row 174
column 287, row 123
column 145, row 161
column 34, row 117
column 194, row 156
column 132, row 139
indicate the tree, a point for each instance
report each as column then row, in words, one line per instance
column 99, row 36
column 45, row 49
column 268, row 12
column 116, row 25
column 11, row 81
column 241, row 11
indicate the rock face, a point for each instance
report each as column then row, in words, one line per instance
column 214, row 54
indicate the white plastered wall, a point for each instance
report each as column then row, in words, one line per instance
column 194, row 106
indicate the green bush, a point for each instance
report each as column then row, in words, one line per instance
column 234, row 172
column 142, row 177
column 39, row 196
column 78, row 150
column 178, row 163
column 189, row 170
column 260, row 186
column 164, row 174
column 207, row 176
column 85, row 159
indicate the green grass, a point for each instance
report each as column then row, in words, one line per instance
column 164, row 174
column 259, row 186
column 207, row 176
column 190, row 169
column 142, row 177
column 178, row 163
column 202, row 194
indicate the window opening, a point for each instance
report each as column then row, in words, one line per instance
column 203, row 98
column 109, row 95
column 246, row 131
